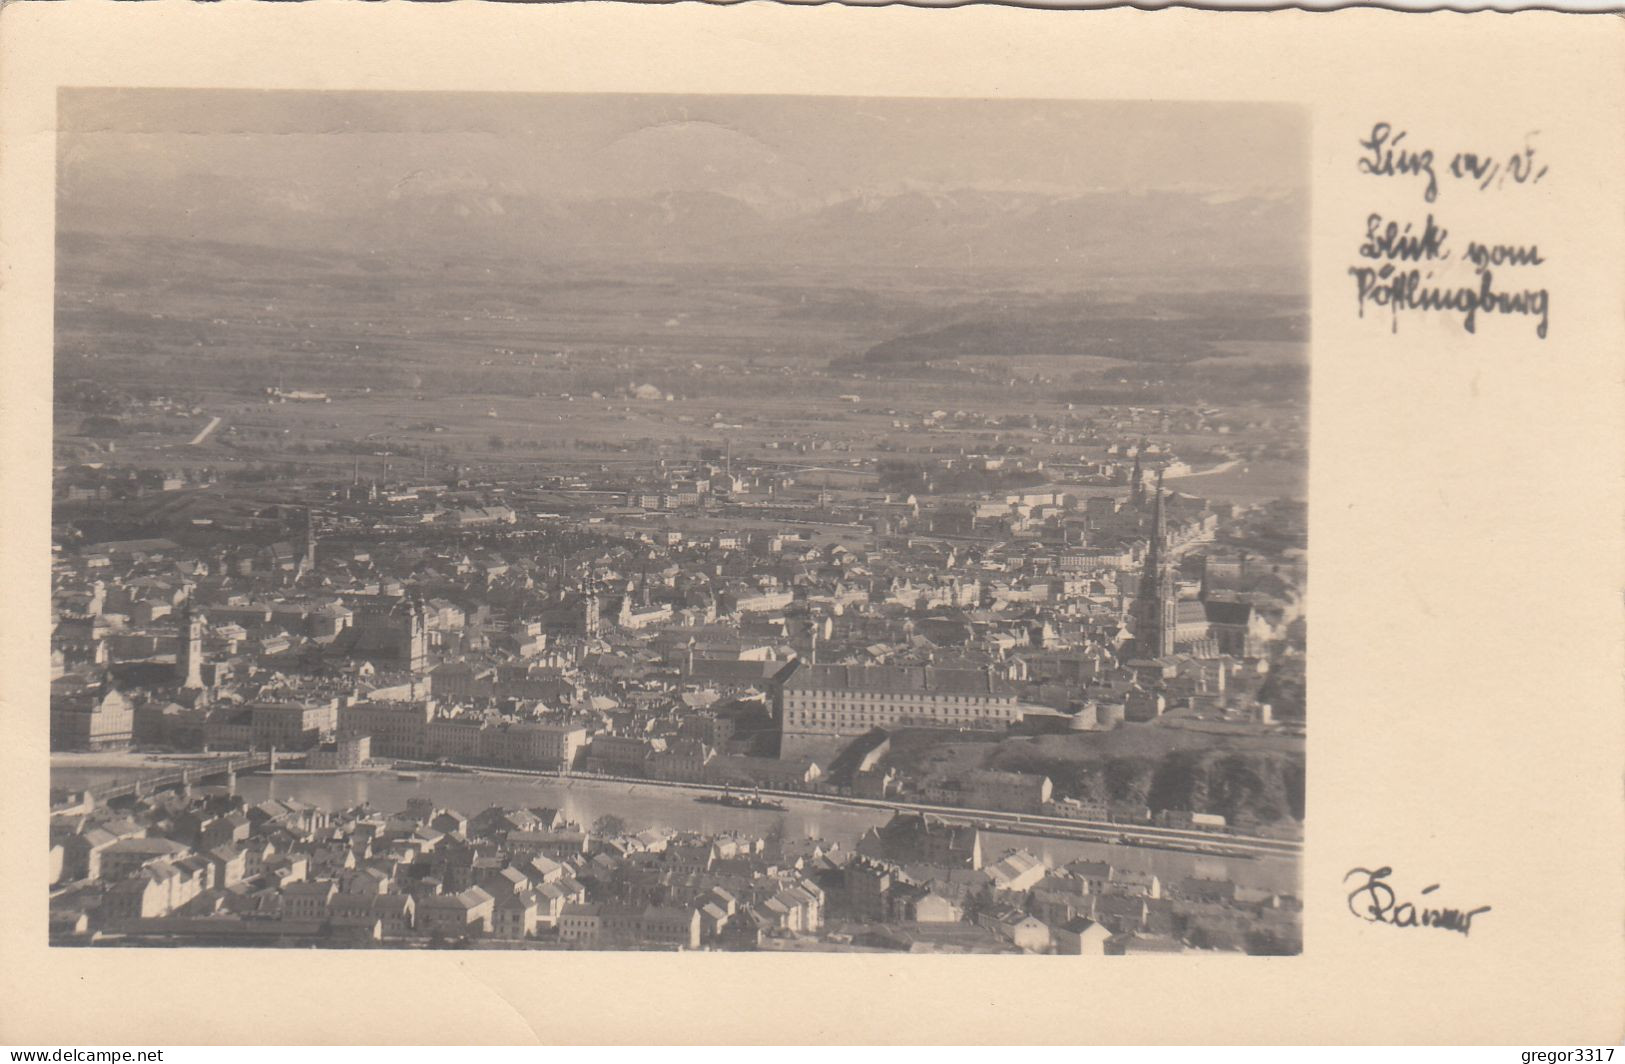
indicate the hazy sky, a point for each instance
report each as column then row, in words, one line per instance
column 573, row 145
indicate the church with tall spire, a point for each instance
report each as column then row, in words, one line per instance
column 1137, row 479
column 592, row 605
column 1155, row 612
column 189, row 652
column 307, row 556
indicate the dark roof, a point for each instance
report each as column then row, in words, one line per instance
column 1229, row 612
column 897, row 679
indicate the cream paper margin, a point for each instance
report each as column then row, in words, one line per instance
column 1465, row 524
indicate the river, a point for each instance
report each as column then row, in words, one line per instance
column 642, row 806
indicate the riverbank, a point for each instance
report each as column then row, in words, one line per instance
column 1035, row 825
column 425, row 768
column 644, row 804
column 74, row 771
column 284, row 770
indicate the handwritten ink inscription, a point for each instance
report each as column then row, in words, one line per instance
column 1375, row 901
column 1387, row 155
column 1406, row 265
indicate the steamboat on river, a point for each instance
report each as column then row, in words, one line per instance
column 742, row 801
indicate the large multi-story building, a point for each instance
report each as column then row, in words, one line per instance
column 533, row 744
column 848, row 700
column 1090, row 559
column 397, row 728
column 653, row 925
column 293, row 725
column 346, row 752
column 458, row 738
column 92, row 719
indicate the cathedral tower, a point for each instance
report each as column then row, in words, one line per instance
column 189, row 655
column 1155, row 606
column 307, row 562
column 1137, row 478
column 592, row 609
column 415, row 653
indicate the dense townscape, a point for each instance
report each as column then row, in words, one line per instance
column 953, row 651
column 627, row 536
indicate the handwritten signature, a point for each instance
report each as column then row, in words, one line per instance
column 1374, row 901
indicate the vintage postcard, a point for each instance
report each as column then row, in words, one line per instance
column 655, row 521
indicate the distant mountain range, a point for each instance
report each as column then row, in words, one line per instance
column 1193, row 237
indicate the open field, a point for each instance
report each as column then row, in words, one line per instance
column 242, row 318
column 521, row 371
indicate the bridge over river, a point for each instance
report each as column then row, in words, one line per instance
column 200, row 772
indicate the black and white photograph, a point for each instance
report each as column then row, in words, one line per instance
column 574, row 521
